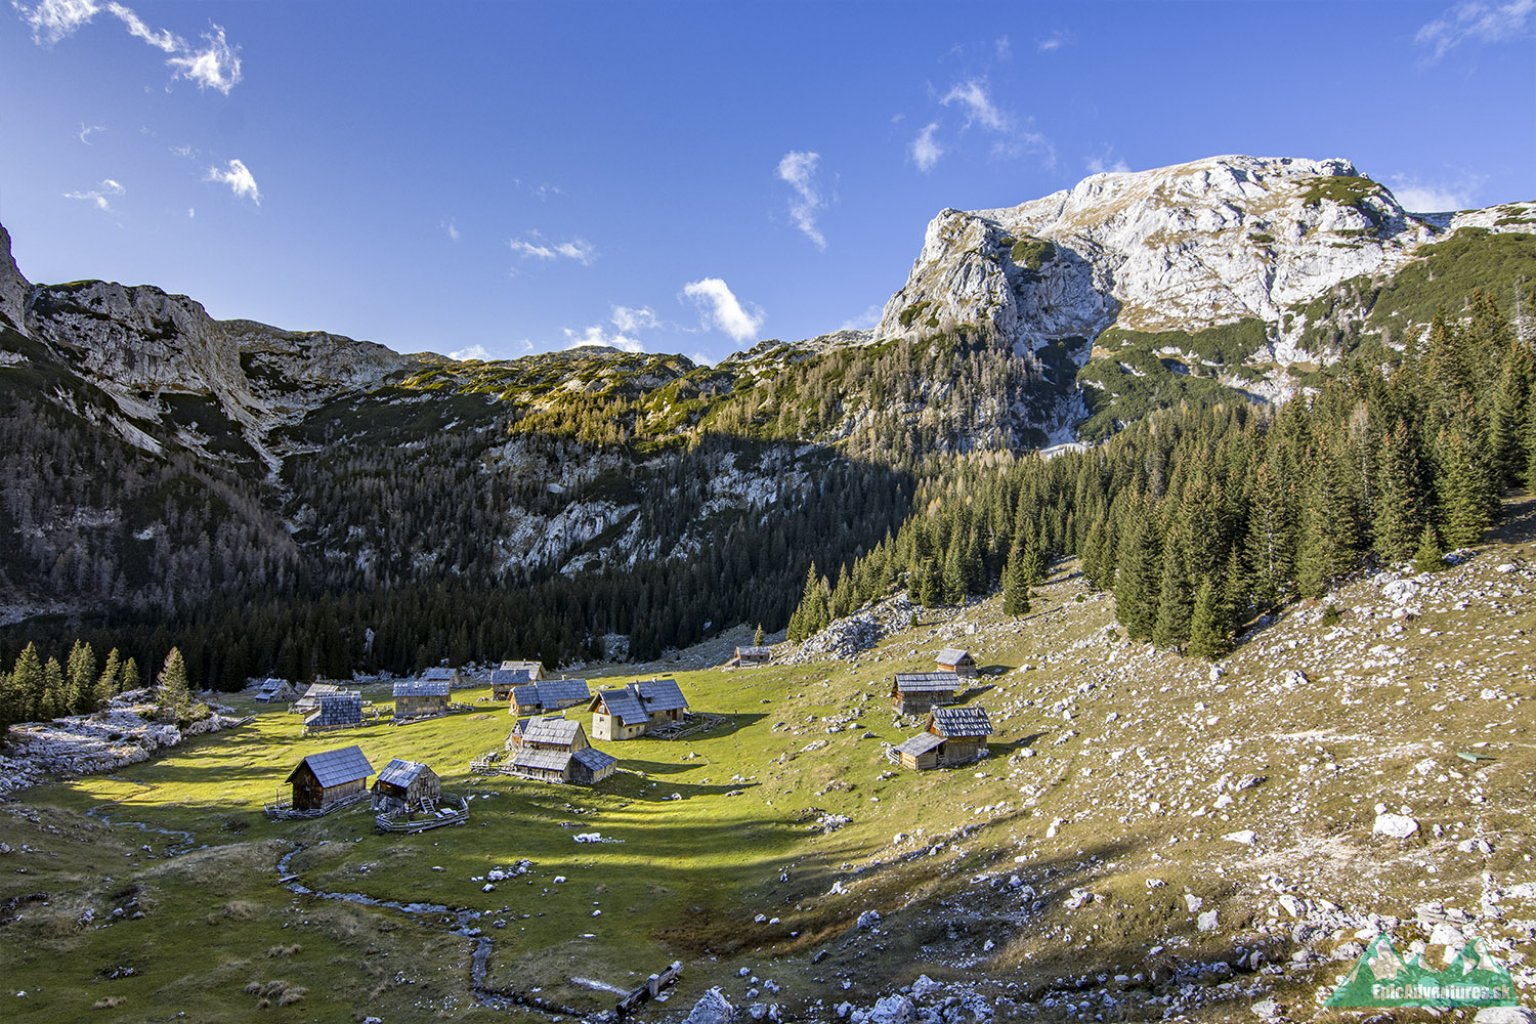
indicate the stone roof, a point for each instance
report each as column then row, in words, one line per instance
column 422, row 688
column 344, row 708
column 593, row 759
column 925, row 682
column 335, row 767
column 953, row 656
column 552, row 731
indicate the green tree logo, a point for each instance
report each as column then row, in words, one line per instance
column 1383, row 977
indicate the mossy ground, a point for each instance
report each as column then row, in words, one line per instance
column 1117, row 796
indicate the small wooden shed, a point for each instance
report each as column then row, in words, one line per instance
column 322, row 780
column 340, row 710
column 964, row 731
column 920, row 752
column 310, row 701
column 420, row 698
column 444, row 674
column 755, row 654
column 406, row 786
column 913, row 693
column 269, row 690
column 956, row 660
column 637, row 708
column 505, row 680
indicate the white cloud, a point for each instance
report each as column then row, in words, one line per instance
column 577, row 249
column 634, row 318
column 191, row 213
column 598, row 335
column 925, row 148
column 979, row 108
column 1419, row 196
column 87, row 130
column 100, row 196
column 1106, row 161
column 798, row 170
column 473, row 352
column 1053, row 42
column 864, row 321
column 452, row 228
column 1476, row 21
column 214, row 65
column 722, row 309
column 239, row 179
column 1002, row 46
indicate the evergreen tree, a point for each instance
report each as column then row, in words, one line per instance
column 1400, row 497
column 1016, row 583
column 173, row 702
column 1175, row 602
column 1138, row 574
column 1207, row 626
column 757, row 636
column 80, row 678
column 27, row 681
column 954, row 575
column 131, row 680
column 1428, row 556
column 53, row 703
column 1507, row 427
column 1327, row 550
column 110, row 679
column 1468, row 494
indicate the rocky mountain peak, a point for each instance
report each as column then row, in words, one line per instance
column 13, row 287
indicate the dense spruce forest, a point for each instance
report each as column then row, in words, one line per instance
column 1202, row 517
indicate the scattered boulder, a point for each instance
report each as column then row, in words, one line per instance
column 1395, row 826
column 712, row 1008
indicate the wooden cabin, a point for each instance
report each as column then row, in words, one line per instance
column 269, row 690
column 420, row 698
column 340, row 710
column 555, row 749
column 748, row 656
column 964, row 731
column 960, row 662
column 406, row 786
column 444, row 674
column 637, row 708
column 535, row 669
column 548, row 695
column 921, row 752
column 913, row 693
column 506, row 680
column 322, row 780
column 310, row 701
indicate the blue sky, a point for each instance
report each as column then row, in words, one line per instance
column 682, row 177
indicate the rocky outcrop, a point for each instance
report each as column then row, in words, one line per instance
column 13, row 287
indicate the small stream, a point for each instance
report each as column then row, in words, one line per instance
column 98, row 813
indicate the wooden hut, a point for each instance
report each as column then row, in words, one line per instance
column 505, row 680
column 920, row 752
column 748, row 656
column 323, row 780
column 406, row 786
column 956, row 660
column 269, row 690
column 340, row 710
column 555, row 749
column 637, row 708
column 548, row 695
column 954, row 736
column 420, row 698
column 913, row 693
column 310, row 701
column 444, row 674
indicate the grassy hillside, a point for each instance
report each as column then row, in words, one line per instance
column 1072, row 867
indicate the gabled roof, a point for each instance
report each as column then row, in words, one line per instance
column 754, row 651
column 925, row 682
column 542, row 760
column 953, row 656
column 510, row 676
column 557, row 692
column 318, row 690
column 594, row 760
column 551, row 731
column 920, row 744
column 623, row 704
column 334, row 767
column 950, row 722
column 661, row 695
column 344, row 708
column 421, row 688
column 271, row 685
column 402, row 773
column 441, row 672
column 520, row 666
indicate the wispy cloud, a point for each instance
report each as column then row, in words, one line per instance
column 634, row 318
column 1010, row 137
column 451, row 229
column 535, row 246
column 1420, row 196
column 973, row 98
column 214, row 64
column 1053, row 41
column 472, row 352
column 87, row 130
column 239, row 179
column 1476, row 21
column 798, row 170
column 864, row 321
column 597, row 334
column 720, row 308
column 621, row 332
column 100, row 196
column 1002, row 48
column 925, row 149
column 1106, row 160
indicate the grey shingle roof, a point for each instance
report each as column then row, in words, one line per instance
column 754, row 652
column 624, row 705
column 440, row 673
column 952, row 656
column 510, row 676
column 345, row 708
column 421, row 688
column 960, row 722
column 925, row 682
column 542, row 760
column 920, row 744
column 334, row 767
column 661, row 695
column 271, row 685
column 552, row 731
column 593, row 759
column 401, row 773
column 557, row 693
